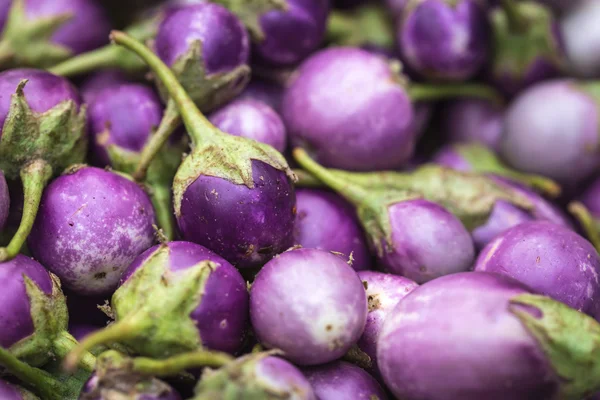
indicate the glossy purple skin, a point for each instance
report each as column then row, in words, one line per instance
column 557, row 138
column 222, row 314
column 90, row 226
column 310, row 304
column 87, row 29
column 15, row 315
column 291, row 35
column 455, row 338
column 92, row 383
column 551, row 260
column 325, row 221
column 9, row 391
column 42, row 92
column 441, row 41
column 581, row 35
column 473, row 120
column 99, row 81
column 269, row 93
column 251, row 119
column 448, row 157
column 384, row 291
column 280, row 375
column 225, row 42
column 428, row 242
column 4, row 201
column 503, row 217
column 342, row 380
column 245, row 226
column 322, row 112
column 590, row 198
column 123, row 115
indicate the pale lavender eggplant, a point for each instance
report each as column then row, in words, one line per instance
column 91, row 224
column 222, row 314
column 473, row 120
column 455, row 338
column 245, row 226
column 447, row 156
column 325, row 221
column 324, row 113
column 87, row 29
column 99, row 81
column 342, row 380
column 552, row 260
column 291, row 35
column 42, row 92
column 427, row 242
column 225, row 43
column 384, row 291
column 267, row 92
column 310, row 304
column 9, row 391
column 444, row 40
column 555, row 138
column 251, row 119
column 123, row 115
column 581, row 36
column 15, row 317
column 285, row 377
column 131, row 389
column 4, row 201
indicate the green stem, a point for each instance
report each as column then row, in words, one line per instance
column 169, row 123
column 35, row 177
column 353, row 193
column 116, row 332
column 339, row 26
column 163, row 207
column 65, row 342
column 105, row 57
column 307, row 180
column 176, row 364
column 587, row 221
column 7, row 54
column 516, row 20
column 198, row 126
column 40, row 381
column 430, row 92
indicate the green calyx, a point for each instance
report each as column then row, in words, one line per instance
column 366, row 25
column 523, row 34
column 214, row 153
column 152, row 310
column 469, row 196
column 28, row 43
column 241, row 379
column 250, row 12
column 56, row 136
column 569, row 339
column 208, row 91
column 483, row 160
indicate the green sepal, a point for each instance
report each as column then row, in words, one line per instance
column 27, row 43
column 50, row 318
column 483, row 160
column 228, row 157
column 239, row 380
column 156, row 303
column 367, row 25
column 569, row 339
column 71, row 384
column 56, row 136
column 516, row 50
column 208, row 91
column 250, row 12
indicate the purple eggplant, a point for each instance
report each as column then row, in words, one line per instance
column 92, row 223
column 192, row 289
column 9, row 391
column 243, row 187
column 310, row 304
column 442, row 39
column 252, row 119
column 342, row 380
column 552, row 260
column 581, row 38
column 464, row 336
column 267, row 92
column 473, row 120
column 325, row 221
column 40, row 33
column 384, row 291
column 43, row 132
column 99, row 81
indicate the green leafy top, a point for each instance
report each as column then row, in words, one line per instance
column 250, row 12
